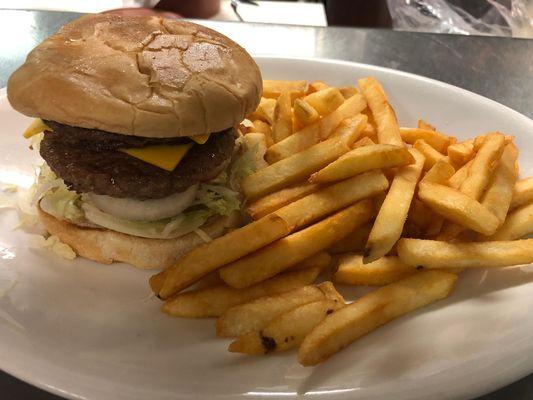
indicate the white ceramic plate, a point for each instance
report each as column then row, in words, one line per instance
column 91, row 331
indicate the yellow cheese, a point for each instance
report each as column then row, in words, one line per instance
column 162, row 156
column 166, row 157
column 37, row 126
column 200, row 139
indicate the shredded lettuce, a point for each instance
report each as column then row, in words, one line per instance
column 218, row 199
column 56, row 198
column 212, row 199
column 52, row 243
column 253, row 148
column 63, row 204
column 9, row 188
column 203, row 235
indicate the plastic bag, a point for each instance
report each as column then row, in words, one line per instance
column 466, row 17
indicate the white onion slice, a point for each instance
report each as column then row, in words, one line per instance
column 144, row 210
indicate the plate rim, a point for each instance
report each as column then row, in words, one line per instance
column 467, row 392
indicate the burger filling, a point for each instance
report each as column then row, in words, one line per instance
column 130, row 184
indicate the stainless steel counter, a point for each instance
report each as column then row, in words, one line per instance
column 498, row 68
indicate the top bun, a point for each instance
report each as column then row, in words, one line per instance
column 140, row 76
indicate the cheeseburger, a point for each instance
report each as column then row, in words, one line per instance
column 137, row 118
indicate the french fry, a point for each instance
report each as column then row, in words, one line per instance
column 325, row 101
column 393, row 212
column 420, row 214
column 285, row 332
column 315, row 86
column 333, row 198
column 256, row 314
column 304, row 113
column 369, row 312
column 387, row 124
column 411, row 230
column 320, row 260
column 261, row 127
column 353, row 242
column 212, row 302
column 264, row 111
column 381, row 272
column 440, row 173
column 522, row 193
column 298, row 141
column 348, row 91
column 430, row 154
column 423, row 220
column 220, row 251
column 308, row 209
column 435, row 227
column 363, row 159
column 331, row 293
column 157, row 281
column 458, row 207
column 445, row 255
column 462, row 152
column 351, row 107
column 289, row 251
column 368, row 112
column 477, row 180
column 378, row 200
column 497, row 197
column 273, row 89
column 437, row 140
column 264, row 128
column 460, row 175
column 425, row 125
column 293, row 169
column 480, row 139
column 274, row 201
column 450, row 231
column 518, row 224
column 370, row 132
column 282, row 123
column 210, row 280
column 366, row 141
column 320, row 199
column 482, row 166
column 351, row 128
column 296, row 125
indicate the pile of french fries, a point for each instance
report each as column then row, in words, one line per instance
column 348, row 195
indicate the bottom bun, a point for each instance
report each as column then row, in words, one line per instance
column 106, row 246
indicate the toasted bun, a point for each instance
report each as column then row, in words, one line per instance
column 140, row 76
column 105, row 246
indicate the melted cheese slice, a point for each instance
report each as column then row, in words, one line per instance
column 166, row 157
column 200, row 139
column 37, row 126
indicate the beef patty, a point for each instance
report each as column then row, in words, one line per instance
column 95, row 139
column 90, row 162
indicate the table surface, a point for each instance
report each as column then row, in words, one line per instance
column 498, row 68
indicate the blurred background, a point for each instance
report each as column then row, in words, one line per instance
column 466, row 17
